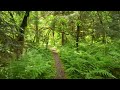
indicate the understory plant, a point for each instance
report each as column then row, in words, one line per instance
column 35, row 64
column 96, row 61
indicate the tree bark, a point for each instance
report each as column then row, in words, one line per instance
column 36, row 25
column 93, row 36
column 20, row 37
column 103, row 32
column 77, row 36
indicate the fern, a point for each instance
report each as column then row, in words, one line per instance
column 94, row 61
column 99, row 74
column 31, row 66
column 74, row 73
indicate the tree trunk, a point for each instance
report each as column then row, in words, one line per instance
column 103, row 32
column 53, row 32
column 77, row 36
column 63, row 41
column 93, row 36
column 104, row 37
column 36, row 25
column 20, row 37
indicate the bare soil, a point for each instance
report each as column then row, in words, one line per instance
column 60, row 73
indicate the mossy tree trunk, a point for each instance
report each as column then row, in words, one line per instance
column 20, row 37
column 36, row 26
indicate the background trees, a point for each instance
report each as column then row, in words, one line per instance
column 22, row 30
column 56, row 28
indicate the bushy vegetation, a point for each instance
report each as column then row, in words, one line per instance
column 92, row 61
column 88, row 43
column 35, row 64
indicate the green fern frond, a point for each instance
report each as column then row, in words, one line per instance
column 99, row 73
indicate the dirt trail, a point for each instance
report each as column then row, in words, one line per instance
column 60, row 74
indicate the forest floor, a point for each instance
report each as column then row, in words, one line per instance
column 60, row 73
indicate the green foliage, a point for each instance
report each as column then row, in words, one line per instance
column 98, row 54
column 36, row 64
column 99, row 74
column 96, row 61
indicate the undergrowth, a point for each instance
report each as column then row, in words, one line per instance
column 92, row 61
column 35, row 64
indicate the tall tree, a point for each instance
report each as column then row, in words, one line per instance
column 36, row 26
column 77, row 36
column 103, row 29
column 20, row 37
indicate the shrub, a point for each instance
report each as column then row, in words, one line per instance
column 36, row 64
column 96, row 61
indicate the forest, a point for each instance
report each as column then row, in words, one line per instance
column 59, row 44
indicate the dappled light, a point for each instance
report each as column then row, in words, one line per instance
column 59, row 45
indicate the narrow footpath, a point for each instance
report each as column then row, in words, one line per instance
column 60, row 73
